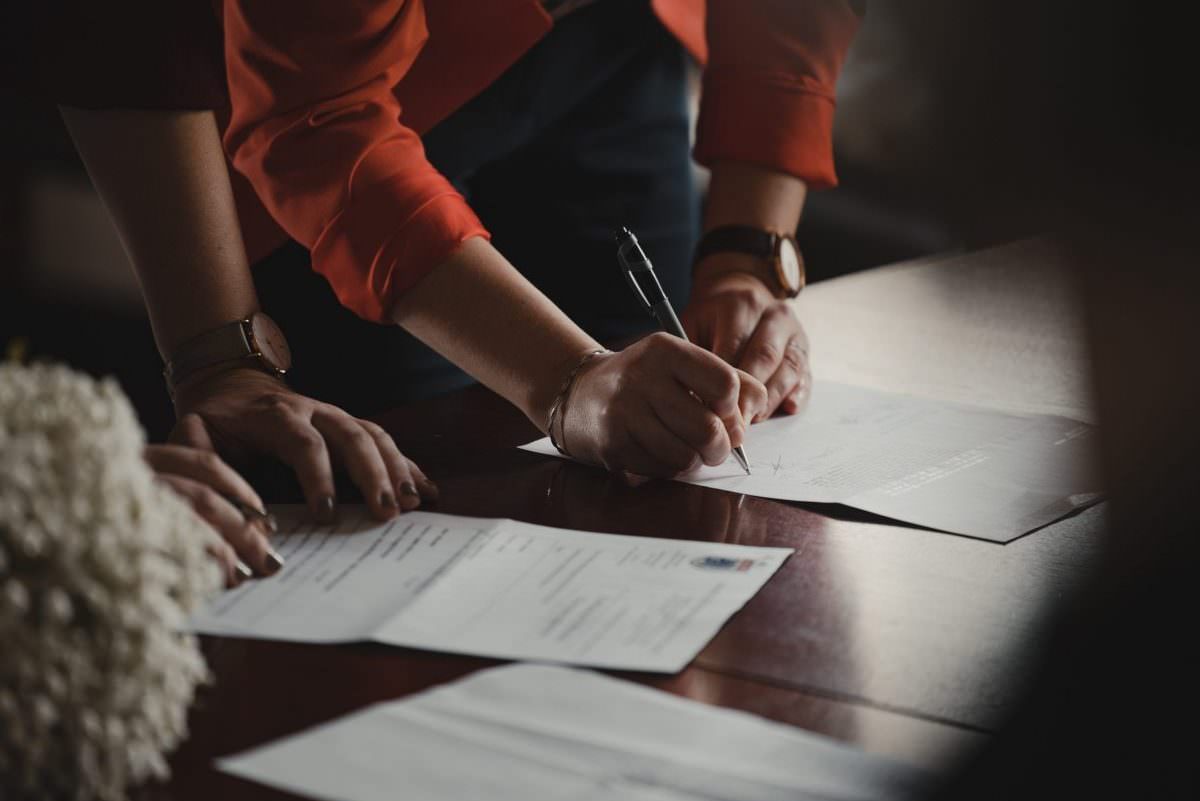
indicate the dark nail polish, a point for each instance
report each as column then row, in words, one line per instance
column 272, row 525
column 407, row 488
column 244, row 571
column 274, row 561
column 386, row 500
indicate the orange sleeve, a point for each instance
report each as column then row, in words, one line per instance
column 317, row 130
column 768, row 91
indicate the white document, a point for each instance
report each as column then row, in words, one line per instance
column 522, row 732
column 948, row 466
column 496, row 588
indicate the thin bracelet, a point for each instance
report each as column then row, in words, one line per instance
column 563, row 392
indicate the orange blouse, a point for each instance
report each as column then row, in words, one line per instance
column 328, row 102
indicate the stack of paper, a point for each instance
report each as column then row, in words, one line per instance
column 496, row 588
column 524, row 732
column 948, row 466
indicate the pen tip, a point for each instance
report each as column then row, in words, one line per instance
column 740, row 455
column 623, row 234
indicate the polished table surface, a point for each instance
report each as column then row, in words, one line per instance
column 903, row 641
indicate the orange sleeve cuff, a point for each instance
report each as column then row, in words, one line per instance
column 370, row 256
column 781, row 123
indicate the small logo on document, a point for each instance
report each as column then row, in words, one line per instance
column 723, row 563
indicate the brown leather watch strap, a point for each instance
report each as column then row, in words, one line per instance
column 774, row 257
column 737, row 239
column 226, row 343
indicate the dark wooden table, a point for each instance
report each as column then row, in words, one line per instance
column 903, row 641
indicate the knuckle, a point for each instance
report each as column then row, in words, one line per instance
column 374, row 430
column 277, row 403
column 793, row 358
column 207, row 504
column 308, row 441
column 747, row 298
column 660, row 343
column 661, row 339
column 765, row 350
column 729, row 381
column 209, row 461
column 359, row 438
column 713, row 430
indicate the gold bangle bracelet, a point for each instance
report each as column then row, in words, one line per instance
column 564, row 392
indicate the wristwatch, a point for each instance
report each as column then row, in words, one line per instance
column 254, row 342
column 779, row 253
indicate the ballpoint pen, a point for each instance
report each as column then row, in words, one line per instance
column 639, row 273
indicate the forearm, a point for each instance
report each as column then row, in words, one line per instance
column 745, row 194
column 483, row 315
column 163, row 178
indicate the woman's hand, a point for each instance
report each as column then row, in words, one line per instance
column 660, row 407
column 244, row 412
column 734, row 315
column 215, row 491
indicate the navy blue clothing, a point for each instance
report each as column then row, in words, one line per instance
column 587, row 132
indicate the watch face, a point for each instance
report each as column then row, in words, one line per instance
column 791, row 266
column 270, row 342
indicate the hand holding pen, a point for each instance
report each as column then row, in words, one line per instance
column 639, row 273
column 660, row 407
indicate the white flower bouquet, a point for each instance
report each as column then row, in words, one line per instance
column 100, row 568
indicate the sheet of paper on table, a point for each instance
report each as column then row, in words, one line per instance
column 947, row 466
column 543, row 732
column 496, row 588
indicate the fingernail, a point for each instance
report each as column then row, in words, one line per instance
column 386, row 500
column 433, row 491
column 274, row 561
column 326, row 508
column 244, row 571
column 408, row 488
column 270, row 522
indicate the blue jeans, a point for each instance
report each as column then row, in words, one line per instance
column 585, row 133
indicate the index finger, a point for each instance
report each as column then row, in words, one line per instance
column 710, row 378
column 205, row 467
column 767, row 346
column 753, row 397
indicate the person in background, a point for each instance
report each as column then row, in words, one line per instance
column 163, row 179
column 154, row 154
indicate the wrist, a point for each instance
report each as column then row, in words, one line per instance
column 556, row 426
column 221, row 378
column 746, row 194
column 731, row 271
column 254, row 342
column 547, row 390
